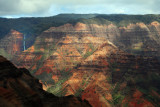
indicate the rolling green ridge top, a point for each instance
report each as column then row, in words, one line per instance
column 33, row 26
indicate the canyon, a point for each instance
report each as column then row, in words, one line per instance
column 12, row 43
column 106, row 64
column 19, row 88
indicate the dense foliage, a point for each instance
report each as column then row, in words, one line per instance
column 34, row 26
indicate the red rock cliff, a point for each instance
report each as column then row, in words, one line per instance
column 13, row 42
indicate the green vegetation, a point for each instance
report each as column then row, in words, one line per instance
column 57, row 91
column 5, row 54
column 119, row 19
column 48, row 51
column 57, row 88
column 34, row 26
column 147, row 85
column 78, row 92
column 79, row 49
column 117, row 95
column 117, row 98
column 123, row 20
column 85, row 82
column 99, row 21
column 142, row 79
column 88, row 53
column 65, row 73
column 46, row 78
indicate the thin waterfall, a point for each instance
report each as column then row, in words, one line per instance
column 24, row 43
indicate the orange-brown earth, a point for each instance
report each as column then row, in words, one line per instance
column 138, row 101
column 91, row 78
column 144, row 41
column 12, row 43
column 101, row 82
column 141, row 37
column 82, row 60
column 19, row 88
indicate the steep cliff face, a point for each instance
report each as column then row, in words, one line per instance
column 58, row 50
column 87, row 60
column 69, row 52
column 89, row 79
column 19, row 88
column 12, row 43
column 109, row 31
column 133, row 37
column 140, row 39
column 110, row 77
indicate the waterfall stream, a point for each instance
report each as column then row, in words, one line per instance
column 24, row 43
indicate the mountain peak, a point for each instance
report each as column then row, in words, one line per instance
column 14, row 32
column 155, row 23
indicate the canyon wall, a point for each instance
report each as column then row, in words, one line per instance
column 106, row 64
column 12, row 43
column 20, row 89
column 138, row 39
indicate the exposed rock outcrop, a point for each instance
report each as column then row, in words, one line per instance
column 110, row 77
column 87, row 60
column 12, row 43
column 19, row 88
column 139, row 39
